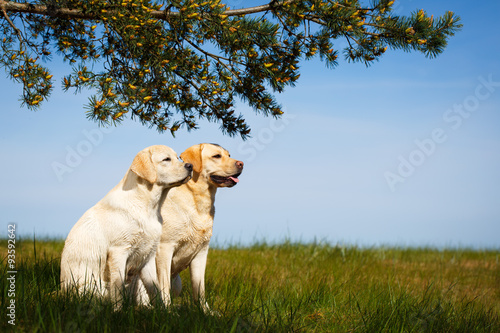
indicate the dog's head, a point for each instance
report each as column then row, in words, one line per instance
column 213, row 163
column 160, row 165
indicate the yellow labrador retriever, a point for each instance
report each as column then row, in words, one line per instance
column 118, row 237
column 188, row 214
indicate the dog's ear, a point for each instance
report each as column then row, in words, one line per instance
column 143, row 166
column 193, row 155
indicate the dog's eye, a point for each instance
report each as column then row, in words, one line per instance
column 168, row 159
column 217, row 156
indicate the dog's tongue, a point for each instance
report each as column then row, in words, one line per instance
column 234, row 179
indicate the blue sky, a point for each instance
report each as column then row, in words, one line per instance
column 405, row 152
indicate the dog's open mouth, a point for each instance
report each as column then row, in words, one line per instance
column 228, row 181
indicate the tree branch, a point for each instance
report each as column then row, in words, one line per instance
column 16, row 7
column 6, row 16
column 4, row 11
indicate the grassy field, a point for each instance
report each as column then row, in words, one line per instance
column 278, row 288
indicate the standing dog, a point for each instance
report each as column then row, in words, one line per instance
column 188, row 215
column 117, row 238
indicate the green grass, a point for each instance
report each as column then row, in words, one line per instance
column 287, row 287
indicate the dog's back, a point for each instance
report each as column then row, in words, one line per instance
column 83, row 258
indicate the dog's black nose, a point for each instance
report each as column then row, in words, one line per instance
column 239, row 164
column 188, row 166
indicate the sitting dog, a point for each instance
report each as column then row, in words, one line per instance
column 117, row 239
column 188, row 215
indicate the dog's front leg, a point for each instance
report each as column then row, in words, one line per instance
column 150, row 281
column 197, row 269
column 164, row 257
column 117, row 261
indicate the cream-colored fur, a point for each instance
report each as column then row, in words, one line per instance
column 188, row 214
column 116, row 240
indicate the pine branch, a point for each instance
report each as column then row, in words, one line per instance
column 195, row 58
column 4, row 11
column 16, row 7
